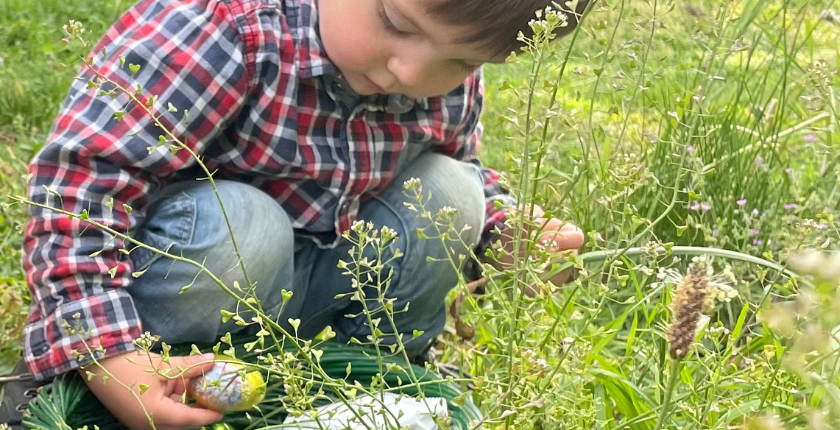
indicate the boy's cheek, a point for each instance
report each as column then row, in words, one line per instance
column 350, row 44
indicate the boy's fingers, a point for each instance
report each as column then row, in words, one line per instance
column 560, row 235
column 194, row 365
column 179, row 415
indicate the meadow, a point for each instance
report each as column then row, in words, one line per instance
column 691, row 141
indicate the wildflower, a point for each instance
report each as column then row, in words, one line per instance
column 755, row 212
column 695, row 294
column 758, row 242
column 700, row 206
column 411, row 184
column 447, row 212
column 387, row 234
column 769, row 351
column 741, row 202
column 146, row 341
column 813, row 225
column 753, row 232
column 689, row 148
column 810, row 138
column 791, row 206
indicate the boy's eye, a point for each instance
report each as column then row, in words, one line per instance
column 388, row 24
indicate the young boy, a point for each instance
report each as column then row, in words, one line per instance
column 311, row 114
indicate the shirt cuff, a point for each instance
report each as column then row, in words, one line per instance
column 96, row 326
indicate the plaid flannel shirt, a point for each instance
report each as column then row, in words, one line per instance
column 265, row 107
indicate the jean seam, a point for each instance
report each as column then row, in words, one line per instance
column 185, row 229
column 187, row 226
column 405, row 270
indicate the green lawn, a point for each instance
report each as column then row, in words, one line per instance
column 705, row 124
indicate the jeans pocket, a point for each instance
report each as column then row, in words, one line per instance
column 169, row 224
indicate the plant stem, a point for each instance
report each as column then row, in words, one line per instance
column 672, row 384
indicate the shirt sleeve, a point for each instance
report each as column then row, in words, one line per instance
column 191, row 55
column 468, row 99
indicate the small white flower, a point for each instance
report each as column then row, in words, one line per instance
column 411, row 183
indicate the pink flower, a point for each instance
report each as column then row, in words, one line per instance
column 752, row 233
column 689, row 148
column 741, row 202
column 757, row 241
column 705, row 206
column 810, row 138
column 791, row 206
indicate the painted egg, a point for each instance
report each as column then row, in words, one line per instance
column 228, row 387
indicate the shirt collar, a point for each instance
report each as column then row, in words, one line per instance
column 302, row 17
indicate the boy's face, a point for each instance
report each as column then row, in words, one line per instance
column 392, row 46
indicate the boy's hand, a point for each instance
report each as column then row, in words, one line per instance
column 557, row 237
column 162, row 398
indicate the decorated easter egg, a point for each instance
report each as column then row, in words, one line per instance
column 228, row 387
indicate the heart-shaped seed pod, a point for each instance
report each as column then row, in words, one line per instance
column 228, row 387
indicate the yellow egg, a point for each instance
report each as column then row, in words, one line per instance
column 228, row 387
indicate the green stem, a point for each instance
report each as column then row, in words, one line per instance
column 672, row 384
column 595, row 256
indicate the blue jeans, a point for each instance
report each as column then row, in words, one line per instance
column 184, row 218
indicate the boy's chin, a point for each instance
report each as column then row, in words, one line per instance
column 364, row 86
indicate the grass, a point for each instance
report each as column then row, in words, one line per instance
column 707, row 124
column 33, row 83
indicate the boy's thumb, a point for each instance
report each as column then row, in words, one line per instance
column 193, row 365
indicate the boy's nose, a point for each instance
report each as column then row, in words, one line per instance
column 410, row 70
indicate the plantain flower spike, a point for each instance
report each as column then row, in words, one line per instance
column 695, row 294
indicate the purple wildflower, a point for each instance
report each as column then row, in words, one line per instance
column 689, row 148
column 757, row 241
column 810, row 138
column 705, row 206
column 752, row 233
column 791, row 206
column 741, row 202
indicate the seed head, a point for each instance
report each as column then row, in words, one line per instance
column 694, row 294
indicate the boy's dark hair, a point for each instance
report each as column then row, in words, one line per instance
column 497, row 22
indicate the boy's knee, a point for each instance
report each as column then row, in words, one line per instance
column 186, row 220
column 455, row 187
